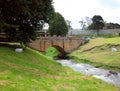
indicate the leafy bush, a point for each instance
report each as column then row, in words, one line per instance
column 51, row 52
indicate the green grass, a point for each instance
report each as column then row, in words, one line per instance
column 99, row 52
column 32, row 71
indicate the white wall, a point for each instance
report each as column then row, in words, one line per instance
column 108, row 31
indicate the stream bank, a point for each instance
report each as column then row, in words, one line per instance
column 108, row 76
column 97, row 65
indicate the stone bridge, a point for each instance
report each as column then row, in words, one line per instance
column 62, row 44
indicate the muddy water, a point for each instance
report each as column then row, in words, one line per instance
column 105, row 75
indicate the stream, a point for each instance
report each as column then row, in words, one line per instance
column 86, row 69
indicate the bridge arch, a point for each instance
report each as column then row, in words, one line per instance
column 61, row 51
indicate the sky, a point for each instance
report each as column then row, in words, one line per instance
column 76, row 10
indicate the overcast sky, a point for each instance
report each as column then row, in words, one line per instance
column 75, row 10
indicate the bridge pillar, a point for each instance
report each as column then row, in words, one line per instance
column 44, row 45
column 63, row 44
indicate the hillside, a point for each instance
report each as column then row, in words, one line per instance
column 99, row 51
column 32, row 71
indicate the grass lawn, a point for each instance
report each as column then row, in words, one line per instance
column 99, row 51
column 32, row 71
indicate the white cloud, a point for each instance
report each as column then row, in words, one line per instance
column 74, row 10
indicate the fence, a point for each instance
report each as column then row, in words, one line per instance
column 108, row 31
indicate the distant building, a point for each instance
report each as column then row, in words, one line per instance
column 42, row 33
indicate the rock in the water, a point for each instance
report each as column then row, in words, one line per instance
column 113, row 72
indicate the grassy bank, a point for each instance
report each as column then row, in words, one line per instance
column 98, row 52
column 32, row 71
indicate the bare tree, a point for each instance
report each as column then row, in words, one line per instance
column 88, row 20
column 83, row 24
column 69, row 24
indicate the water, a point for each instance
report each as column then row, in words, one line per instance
column 105, row 75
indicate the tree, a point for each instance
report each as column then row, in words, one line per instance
column 83, row 25
column 20, row 18
column 112, row 26
column 98, row 23
column 88, row 20
column 58, row 25
column 69, row 24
